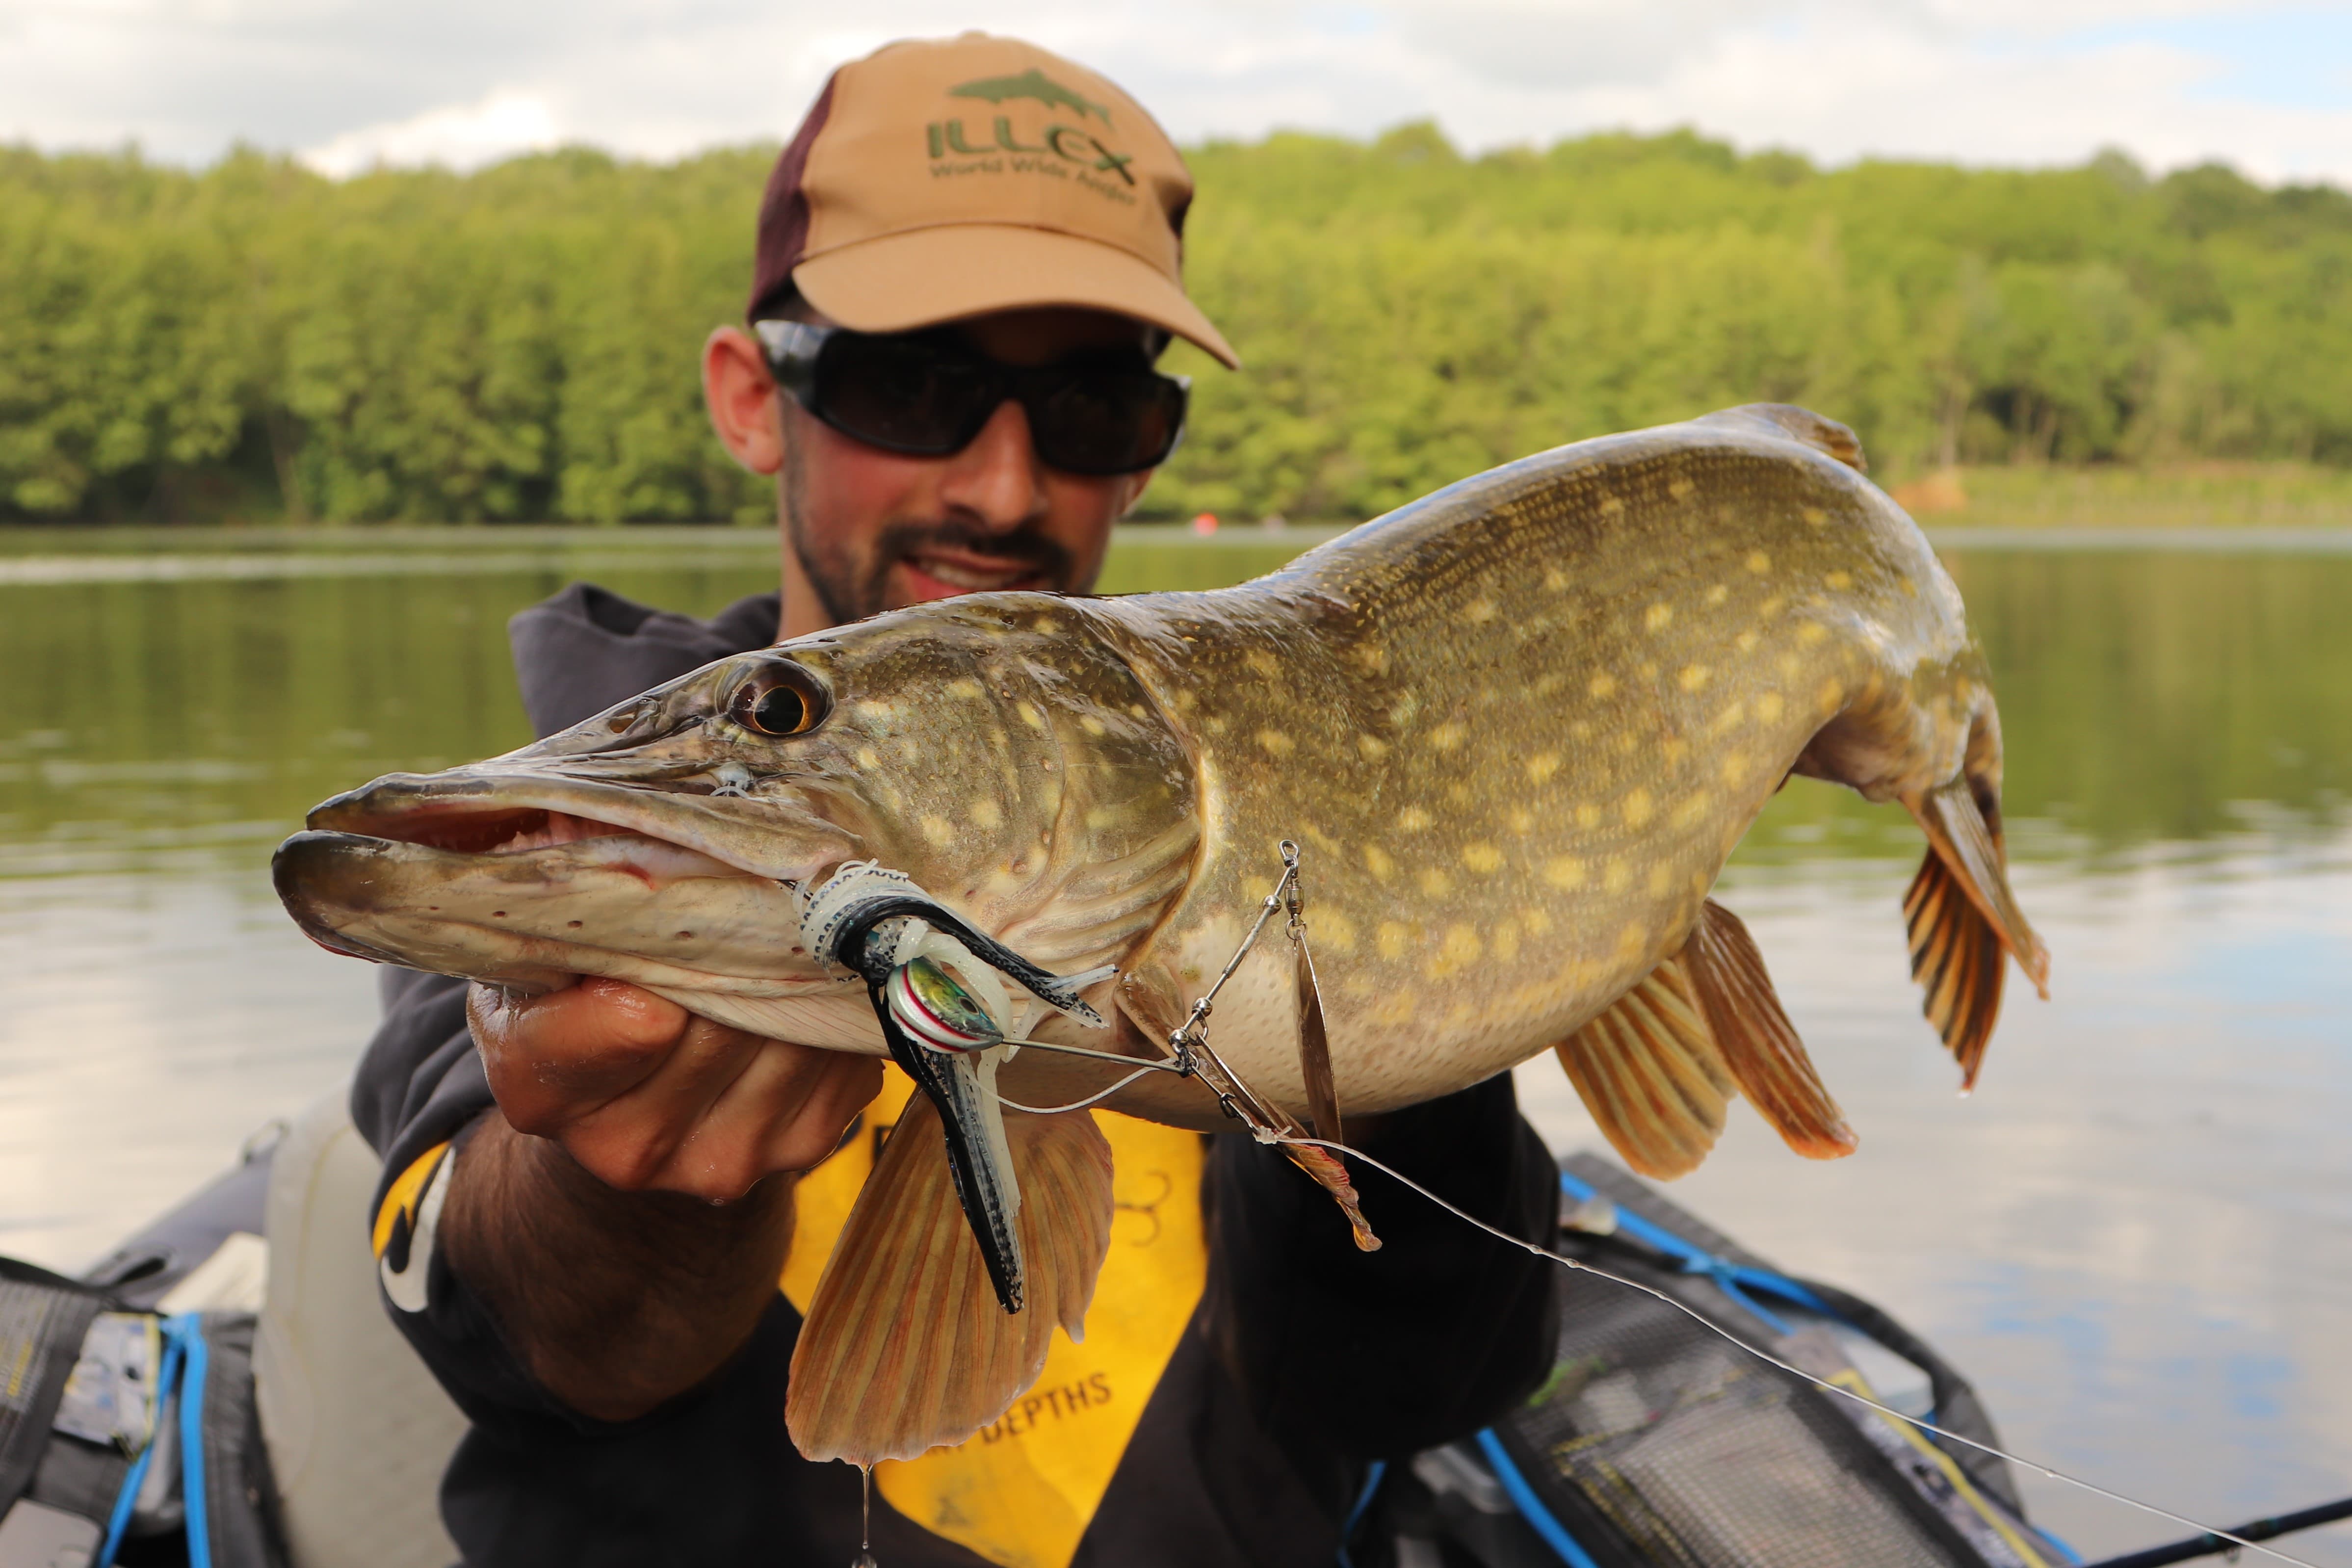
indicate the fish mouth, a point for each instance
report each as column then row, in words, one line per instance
column 530, row 881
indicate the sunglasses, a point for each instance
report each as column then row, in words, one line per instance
column 928, row 394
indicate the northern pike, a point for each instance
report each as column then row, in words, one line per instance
column 1514, row 730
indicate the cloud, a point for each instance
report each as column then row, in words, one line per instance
column 2013, row 82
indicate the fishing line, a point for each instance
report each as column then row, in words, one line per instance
column 1081, row 1104
column 1274, row 1136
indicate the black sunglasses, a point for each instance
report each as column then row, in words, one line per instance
column 928, row 394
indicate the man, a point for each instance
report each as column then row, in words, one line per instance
column 601, row 1217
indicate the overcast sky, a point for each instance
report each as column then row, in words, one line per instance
column 349, row 83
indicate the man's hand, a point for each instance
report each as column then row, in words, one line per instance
column 649, row 1098
column 574, row 1212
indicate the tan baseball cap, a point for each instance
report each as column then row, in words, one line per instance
column 941, row 178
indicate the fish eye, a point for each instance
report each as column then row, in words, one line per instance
column 783, row 698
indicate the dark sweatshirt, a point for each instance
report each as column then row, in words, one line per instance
column 1303, row 1361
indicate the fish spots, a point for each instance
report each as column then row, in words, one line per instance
column 1101, row 817
column 1616, row 877
column 1632, row 936
column 1768, row 707
column 1910, row 589
column 1688, row 810
column 1693, row 676
column 1611, row 505
column 1660, row 879
column 986, row 814
column 938, row 831
column 1413, row 819
column 1043, row 624
column 1787, row 665
column 1030, row 716
column 1395, row 1010
column 1371, row 747
column 1447, row 738
column 1334, row 932
column 1759, row 562
column 1735, row 766
column 1770, row 607
column 1435, row 884
column 1828, row 697
column 1838, row 581
column 1637, row 808
column 1674, row 749
column 1479, row 612
column 1483, row 858
column 1458, row 794
column 1522, row 820
column 1733, row 716
column 965, row 687
column 1718, row 594
column 1681, row 488
column 1812, row 634
column 1588, row 816
column 1541, row 766
column 1092, row 725
column 1392, row 938
column 868, row 758
column 1379, row 862
column 1657, row 618
column 1548, row 683
column 1814, row 516
column 1538, row 921
column 876, row 711
column 1601, row 685
column 1263, row 662
column 1274, row 742
column 1746, row 641
column 1554, row 579
column 1564, row 871
column 1373, row 658
column 1456, row 951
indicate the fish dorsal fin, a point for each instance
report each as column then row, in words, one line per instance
column 1649, row 1071
column 1962, row 916
column 1794, row 423
column 905, row 1349
column 1760, row 1046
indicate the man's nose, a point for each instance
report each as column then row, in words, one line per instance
column 998, row 480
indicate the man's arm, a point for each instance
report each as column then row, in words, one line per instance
column 1376, row 1355
column 624, row 1210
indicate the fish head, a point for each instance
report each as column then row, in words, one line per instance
column 993, row 748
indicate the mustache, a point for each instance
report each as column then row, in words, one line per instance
column 1031, row 552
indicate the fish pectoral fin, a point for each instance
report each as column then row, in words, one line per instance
column 1971, row 849
column 1760, row 1046
column 1650, row 1071
column 905, row 1348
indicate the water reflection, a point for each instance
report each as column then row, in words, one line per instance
column 2137, row 1236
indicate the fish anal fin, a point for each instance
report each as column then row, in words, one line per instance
column 1761, row 1047
column 1959, row 960
column 1970, row 848
column 1649, row 1070
column 905, row 1348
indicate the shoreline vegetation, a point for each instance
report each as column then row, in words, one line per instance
column 2092, row 348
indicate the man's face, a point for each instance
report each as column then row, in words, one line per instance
column 867, row 531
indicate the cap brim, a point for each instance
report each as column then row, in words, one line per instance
column 901, row 282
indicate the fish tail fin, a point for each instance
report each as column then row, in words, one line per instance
column 1962, row 916
column 1759, row 1043
column 905, row 1348
column 1649, row 1070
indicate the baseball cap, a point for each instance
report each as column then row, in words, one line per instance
column 941, row 178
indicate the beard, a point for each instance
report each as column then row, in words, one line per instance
column 851, row 575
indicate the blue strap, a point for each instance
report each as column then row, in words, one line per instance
column 1531, row 1506
column 182, row 1372
column 1736, row 1279
column 1372, row 1479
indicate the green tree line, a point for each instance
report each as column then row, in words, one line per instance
column 253, row 339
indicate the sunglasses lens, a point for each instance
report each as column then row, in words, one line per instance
column 904, row 393
column 1108, row 421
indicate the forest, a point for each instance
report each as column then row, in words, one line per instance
column 252, row 342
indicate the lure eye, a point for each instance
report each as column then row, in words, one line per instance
column 783, row 698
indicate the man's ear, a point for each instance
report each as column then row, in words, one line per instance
column 743, row 400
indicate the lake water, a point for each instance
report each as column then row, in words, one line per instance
column 2137, row 1236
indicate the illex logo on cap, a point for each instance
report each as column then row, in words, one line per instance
column 1061, row 150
